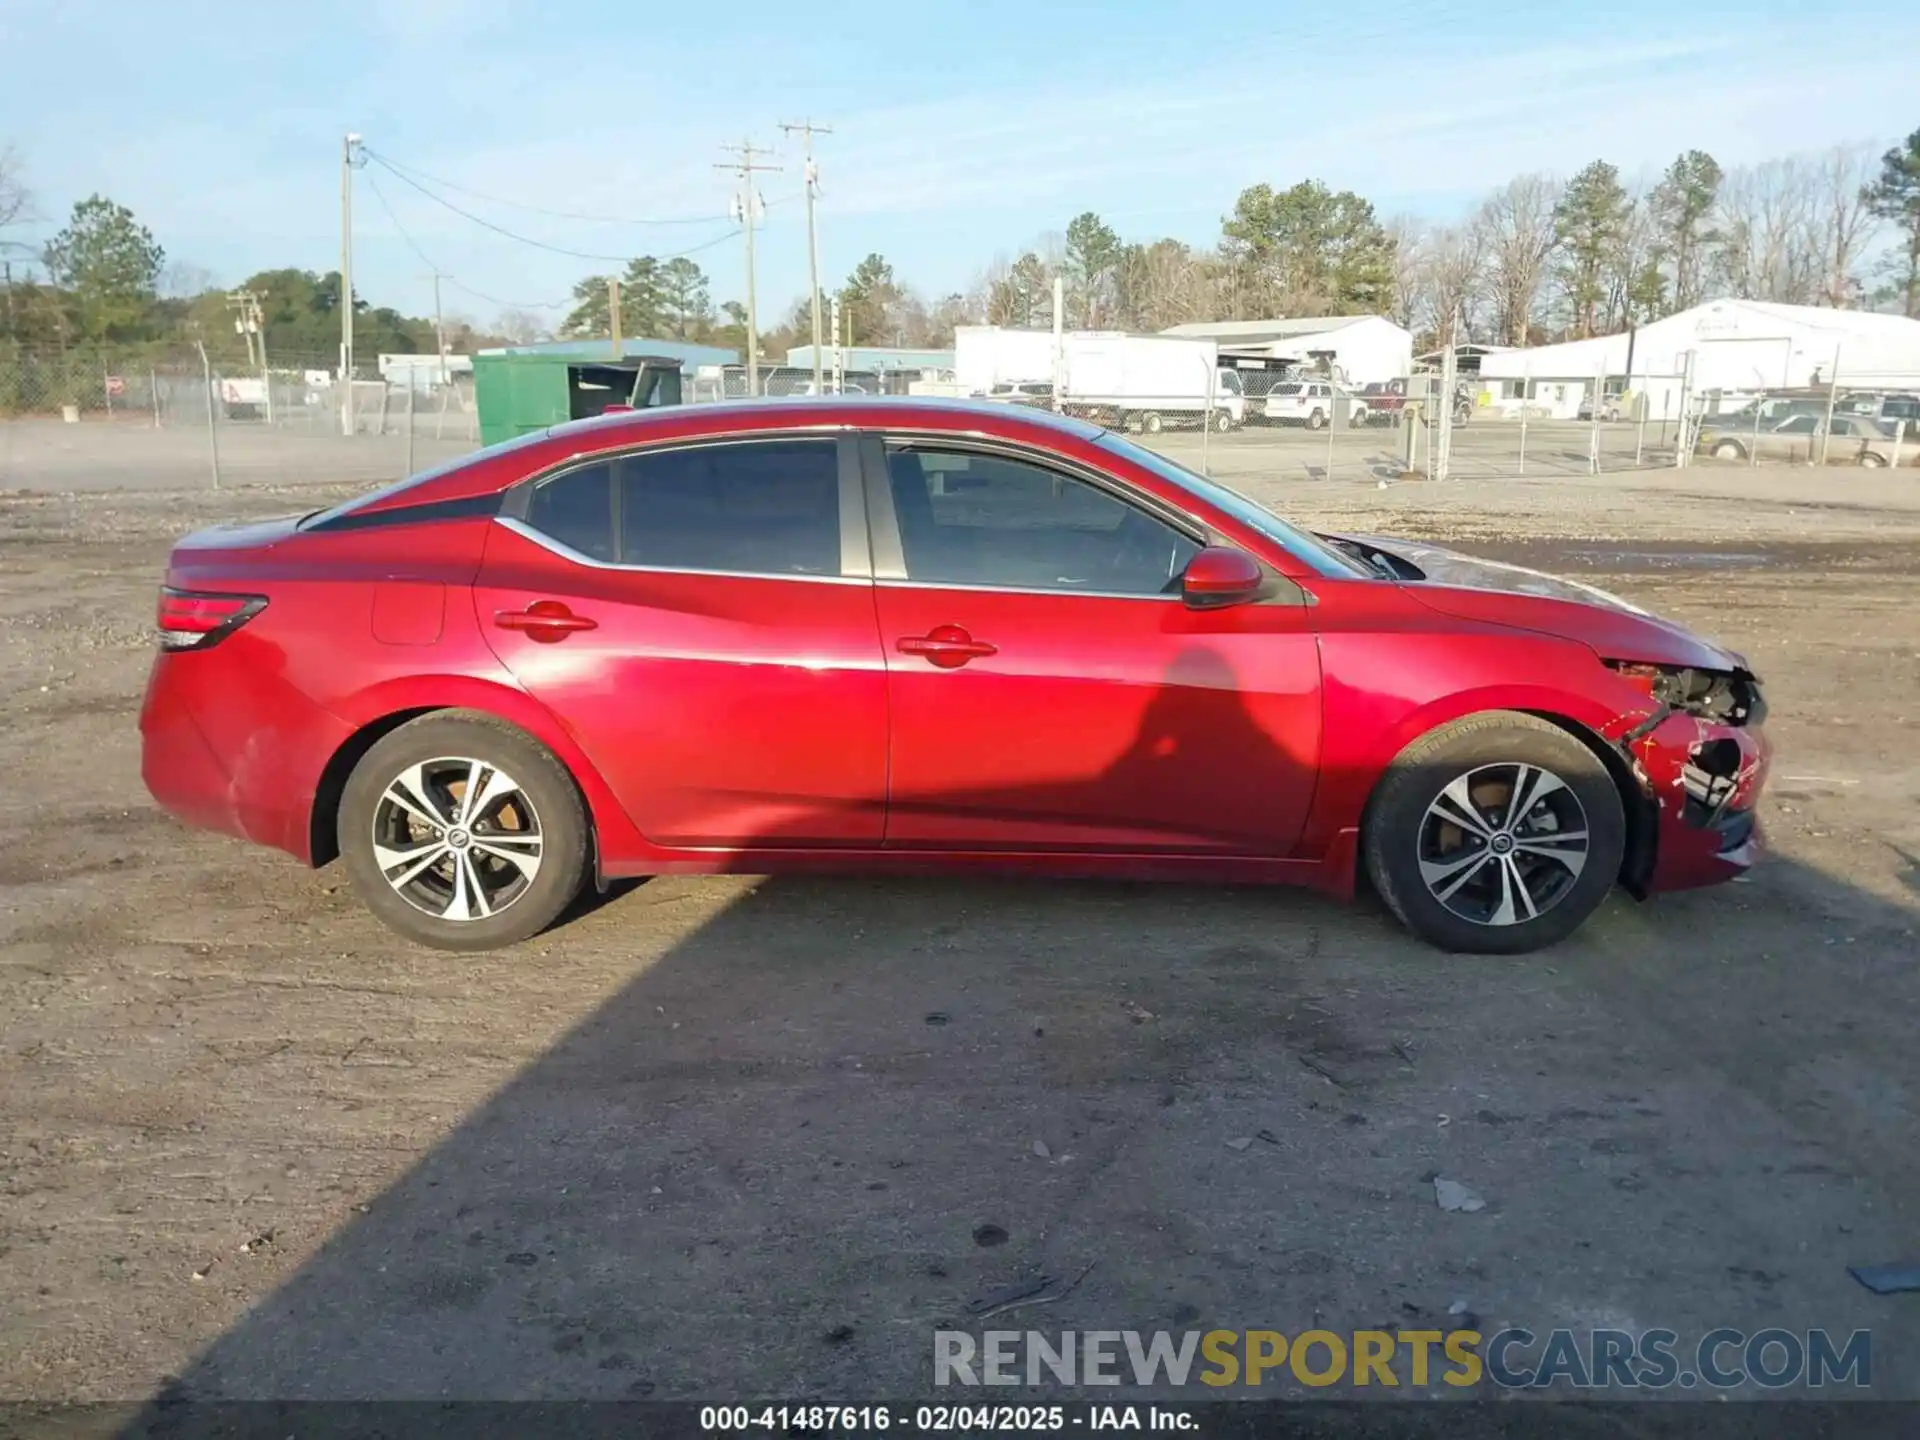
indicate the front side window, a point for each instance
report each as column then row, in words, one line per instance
column 973, row 518
column 768, row 507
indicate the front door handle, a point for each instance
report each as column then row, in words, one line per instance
column 946, row 646
column 544, row 620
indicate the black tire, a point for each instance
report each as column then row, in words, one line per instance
column 1222, row 421
column 1871, row 460
column 558, row 820
column 1317, row 419
column 1729, row 450
column 1151, row 422
column 1483, row 745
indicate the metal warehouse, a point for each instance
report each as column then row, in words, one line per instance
column 1355, row 348
column 1733, row 346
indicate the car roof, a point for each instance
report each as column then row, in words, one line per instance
column 878, row 410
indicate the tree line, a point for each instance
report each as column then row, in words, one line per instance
column 1539, row 259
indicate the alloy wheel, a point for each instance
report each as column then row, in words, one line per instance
column 456, row 838
column 1503, row 844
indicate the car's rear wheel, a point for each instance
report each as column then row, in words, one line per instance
column 1871, row 460
column 463, row 833
column 1316, row 420
column 1152, row 423
column 1498, row 834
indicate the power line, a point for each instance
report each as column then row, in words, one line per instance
column 541, row 244
column 398, row 166
column 457, row 284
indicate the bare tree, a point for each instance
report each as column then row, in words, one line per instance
column 1408, row 236
column 16, row 201
column 1770, row 246
column 1635, row 282
column 1845, row 222
column 1451, row 276
column 182, row 280
column 1517, row 223
column 520, row 327
column 1160, row 284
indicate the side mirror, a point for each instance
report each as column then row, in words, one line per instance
column 1218, row 576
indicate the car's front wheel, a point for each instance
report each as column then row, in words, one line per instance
column 1729, row 450
column 1316, row 419
column 463, row 833
column 1498, row 834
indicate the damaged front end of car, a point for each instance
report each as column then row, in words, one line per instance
column 1698, row 758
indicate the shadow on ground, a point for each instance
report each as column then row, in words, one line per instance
column 842, row 1111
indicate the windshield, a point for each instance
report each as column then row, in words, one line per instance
column 1298, row 543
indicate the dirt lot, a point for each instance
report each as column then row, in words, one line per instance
column 721, row 1137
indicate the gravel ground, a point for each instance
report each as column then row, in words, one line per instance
column 722, row 1137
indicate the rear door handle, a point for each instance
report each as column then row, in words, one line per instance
column 947, row 646
column 544, row 620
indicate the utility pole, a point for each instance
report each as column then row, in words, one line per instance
column 613, row 313
column 348, row 148
column 746, row 167
column 809, row 129
column 251, row 321
column 439, row 331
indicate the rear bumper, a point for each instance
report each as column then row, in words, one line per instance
column 225, row 746
column 1704, row 780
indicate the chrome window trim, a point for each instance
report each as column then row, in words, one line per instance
column 856, row 564
column 892, row 584
column 547, row 542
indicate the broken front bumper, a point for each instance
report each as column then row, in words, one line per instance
column 1702, row 780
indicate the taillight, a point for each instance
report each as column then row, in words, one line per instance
column 195, row 619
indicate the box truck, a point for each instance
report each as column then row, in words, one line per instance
column 1140, row 383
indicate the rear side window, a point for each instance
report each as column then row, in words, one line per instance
column 769, row 507
column 577, row 510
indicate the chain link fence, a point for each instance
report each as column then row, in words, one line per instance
column 113, row 420
column 129, row 419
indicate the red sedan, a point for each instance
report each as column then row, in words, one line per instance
column 918, row 635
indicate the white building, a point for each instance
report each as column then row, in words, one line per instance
column 425, row 372
column 1735, row 347
column 1359, row 348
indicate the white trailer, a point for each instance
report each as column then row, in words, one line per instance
column 988, row 355
column 1149, row 383
column 1130, row 382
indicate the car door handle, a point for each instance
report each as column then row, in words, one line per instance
column 544, row 620
column 947, row 646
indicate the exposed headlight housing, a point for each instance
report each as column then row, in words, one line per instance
column 1730, row 696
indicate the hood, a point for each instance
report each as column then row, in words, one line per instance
column 1469, row 588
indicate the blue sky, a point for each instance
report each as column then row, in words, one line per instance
column 962, row 131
